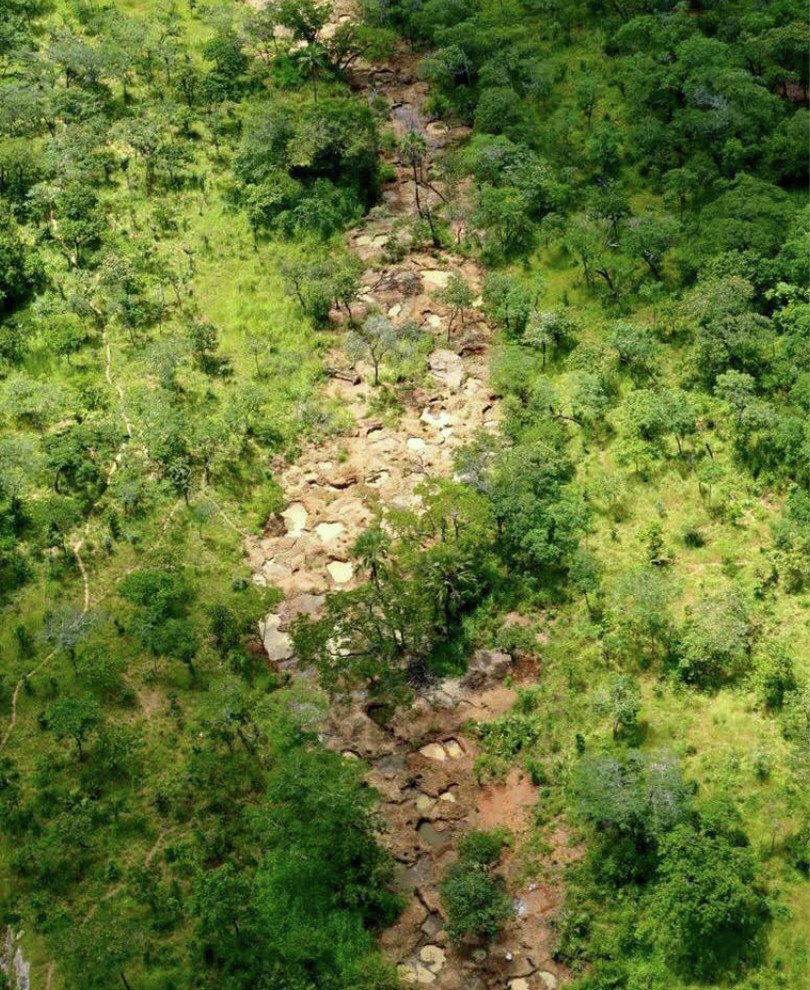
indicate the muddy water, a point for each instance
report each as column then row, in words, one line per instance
column 419, row 760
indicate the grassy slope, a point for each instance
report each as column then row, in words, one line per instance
column 236, row 287
column 718, row 736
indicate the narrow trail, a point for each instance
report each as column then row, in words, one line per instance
column 77, row 550
column 49, row 656
column 420, row 760
column 87, row 602
column 119, row 455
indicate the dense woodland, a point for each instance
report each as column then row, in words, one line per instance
column 176, row 180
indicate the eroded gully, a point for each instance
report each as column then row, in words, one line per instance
column 421, row 759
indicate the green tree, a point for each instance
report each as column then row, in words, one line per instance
column 508, row 301
column 639, row 610
column 585, row 573
column 375, row 339
column 649, row 237
column 716, row 644
column 75, row 717
column 323, row 884
column 634, row 348
column 222, row 899
column 775, row 675
column 643, row 425
column 305, row 18
column 632, row 801
column 101, row 948
column 10, row 790
column 707, row 907
column 501, row 212
column 20, row 268
column 621, row 702
column 457, row 296
column 550, row 330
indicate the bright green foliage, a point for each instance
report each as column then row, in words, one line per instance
column 330, row 147
column 775, row 675
column 100, row 951
column 473, row 895
column 476, row 902
column 707, row 906
column 150, row 368
column 457, row 296
column 20, row 270
column 322, row 884
column 175, row 181
column 716, row 643
column 75, row 718
column 585, row 573
column 409, row 614
column 621, row 702
column 482, row 848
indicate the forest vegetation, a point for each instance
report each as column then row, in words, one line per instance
column 176, row 183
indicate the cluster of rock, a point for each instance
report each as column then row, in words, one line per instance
column 420, row 761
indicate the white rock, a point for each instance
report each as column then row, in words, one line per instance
column 275, row 570
column 395, row 310
column 549, row 980
column 439, row 420
column 433, row 956
column 448, row 796
column 328, row 532
column 447, row 367
column 416, row 444
column 519, row 984
column 424, row 803
column 434, row 751
column 454, row 751
column 340, row 571
column 424, row 975
column 436, row 278
column 295, row 518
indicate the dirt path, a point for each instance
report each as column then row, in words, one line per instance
column 46, row 659
column 119, row 455
column 420, row 760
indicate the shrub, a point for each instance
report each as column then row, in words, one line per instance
column 475, row 900
column 479, row 848
column 474, row 896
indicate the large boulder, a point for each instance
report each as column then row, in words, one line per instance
column 447, row 367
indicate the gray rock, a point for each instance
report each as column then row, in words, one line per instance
column 447, row 367
column 277, row 644
column 486, row 667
